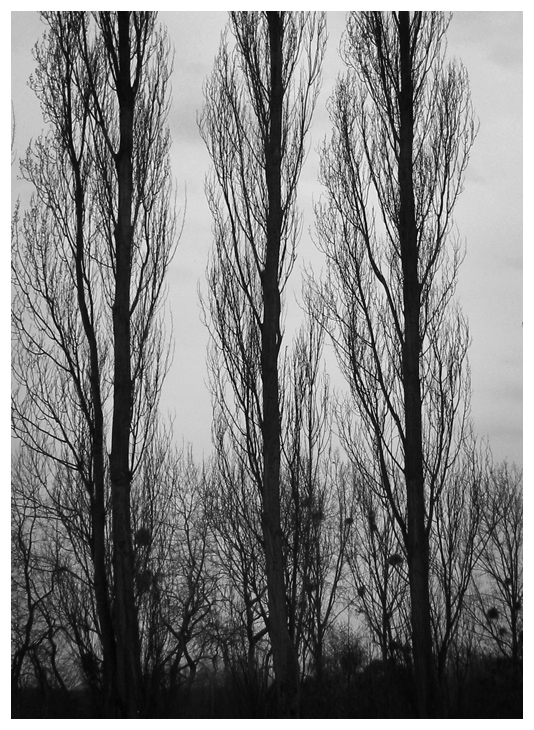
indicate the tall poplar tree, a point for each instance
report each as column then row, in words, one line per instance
column 259, row 103
column 403, row 127
column 88, row 268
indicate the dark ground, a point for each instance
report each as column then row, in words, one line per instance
column 493, row 689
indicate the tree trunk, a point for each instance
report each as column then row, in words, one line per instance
column 284, row 655
column 125, row 614
column 97, row 488
column 417, row 547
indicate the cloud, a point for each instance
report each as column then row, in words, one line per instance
column 496, row 36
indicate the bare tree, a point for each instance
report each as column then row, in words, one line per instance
column 173, row 562
column 88, row 272
column 377, row 562
column 236, row 526
column 458, row 541
column 315, row 519
column 44, row 652
column 259, row 103
column 500, row 579
column 403, row 128
column 29, row 585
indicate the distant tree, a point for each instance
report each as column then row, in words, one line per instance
column 500, row 579
column 259, row 102
column 403, row 128
column 45, row 649
column 88, row 270
column 173, row 566
column 30, row 584
column 315, row 520
column 377, row 562
column 236, row 526
column 191, row 586
column 458, row 541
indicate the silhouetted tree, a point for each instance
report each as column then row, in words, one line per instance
column 259, row 102
column 30, row 581
column 403, row 128
column 458, row 540
column 377, row 562
column 88, row 269
column 500, row 579
column 315, row 520
column 236, row 526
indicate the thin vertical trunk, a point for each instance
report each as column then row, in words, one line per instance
column 97, row 495
column 417, row 548
column 125, row 614
column 284, row 655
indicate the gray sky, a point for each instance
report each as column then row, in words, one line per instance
column 489, row 213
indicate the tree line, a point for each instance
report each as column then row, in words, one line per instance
column 286, row 566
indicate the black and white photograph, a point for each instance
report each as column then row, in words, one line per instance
column 266, row 319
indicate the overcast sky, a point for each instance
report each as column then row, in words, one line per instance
column 488, row 215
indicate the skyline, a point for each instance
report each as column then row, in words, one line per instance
column 489, row 210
